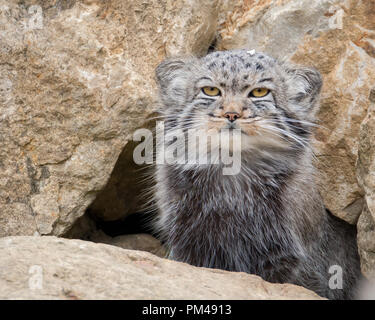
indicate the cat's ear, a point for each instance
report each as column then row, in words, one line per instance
column 304, row 85
column 172, row 78
column 168, row 69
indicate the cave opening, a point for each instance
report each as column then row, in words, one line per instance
column 123, row 211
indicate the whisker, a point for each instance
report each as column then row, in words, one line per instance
column 280, row 122
column 304, row 122
column 297, row 139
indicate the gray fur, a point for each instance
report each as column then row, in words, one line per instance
column 269, row 219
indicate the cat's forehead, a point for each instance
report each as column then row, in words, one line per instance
column 235, row 63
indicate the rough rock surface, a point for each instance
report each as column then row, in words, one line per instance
column 366, row 178
column 55, row 268
column 76, row 79
column 139, row 241
column 338, row 38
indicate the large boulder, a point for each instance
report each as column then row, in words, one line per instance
column 366, row 178
column 55, row 268
column 76, row 80
column 139, row 241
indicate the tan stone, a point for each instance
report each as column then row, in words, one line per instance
column 139, row 241
column 76, row 79
column 55, row 268
column 366, row 178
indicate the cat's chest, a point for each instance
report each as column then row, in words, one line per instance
column 225, row 195
column 229, row 211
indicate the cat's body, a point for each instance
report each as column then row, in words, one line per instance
column 269, row 218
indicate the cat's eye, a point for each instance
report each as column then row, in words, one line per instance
column 259, row 92
column 211, row 91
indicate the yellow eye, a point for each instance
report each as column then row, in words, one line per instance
column 211, row 91
column 259, row 92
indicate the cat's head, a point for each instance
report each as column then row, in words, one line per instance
column 273, row 104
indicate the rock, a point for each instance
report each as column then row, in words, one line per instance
column 366, row 245
column 86, row 229
column 140, row 241
column 55, row 268
column 336, row 37
column 76, row 79
column 366, row 178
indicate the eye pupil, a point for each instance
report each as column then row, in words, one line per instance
column 259, row 92
column 211, row 91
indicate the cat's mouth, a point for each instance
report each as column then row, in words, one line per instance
column 250, row 127
column 230, row 126
column 247, row 126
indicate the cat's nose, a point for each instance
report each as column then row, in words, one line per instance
column 232, row 116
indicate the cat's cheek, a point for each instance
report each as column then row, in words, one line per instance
column 213, row 127
column 250, row 130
